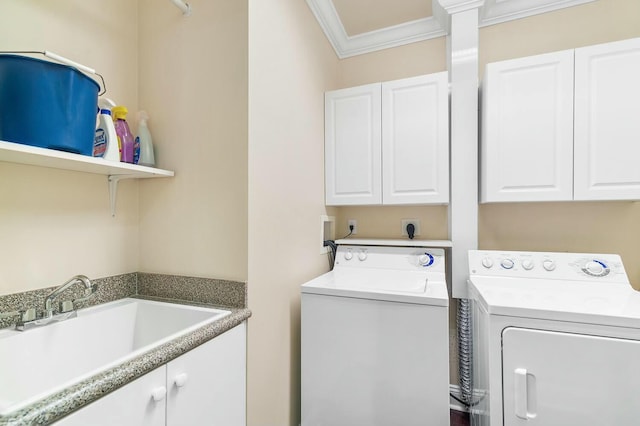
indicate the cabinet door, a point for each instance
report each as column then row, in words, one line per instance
column 207, row 385
column 554, row 378
column 527, row 129
column 415, row 140
column 352, row 146
column 131, row 405
column 607, row 121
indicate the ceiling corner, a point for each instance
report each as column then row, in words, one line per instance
column 346, row 46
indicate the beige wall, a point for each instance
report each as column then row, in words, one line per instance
column 55, row 224
column 193, row 83
column 291, row 64
column 405, row 61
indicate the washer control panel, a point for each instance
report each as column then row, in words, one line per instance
column 543, row 265
column 404, row 258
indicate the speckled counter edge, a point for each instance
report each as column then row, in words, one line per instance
column 62, row 403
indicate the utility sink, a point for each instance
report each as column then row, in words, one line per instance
column 40, row 362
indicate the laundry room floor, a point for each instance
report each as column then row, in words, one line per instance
column 458, row 418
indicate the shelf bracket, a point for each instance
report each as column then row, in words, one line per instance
column 113, row 191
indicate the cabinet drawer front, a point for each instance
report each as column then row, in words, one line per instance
column 607, row 124
column 527, row 129
column 415, row 140
column 352, row 146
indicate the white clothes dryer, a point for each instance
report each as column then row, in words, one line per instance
column 375, row 346
column 556, row 340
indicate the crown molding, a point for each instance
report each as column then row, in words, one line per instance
column 490, row 12
column 457, row 6
column 498, row 11
column 346, row 46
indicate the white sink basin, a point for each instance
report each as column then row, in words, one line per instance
column 41, row 361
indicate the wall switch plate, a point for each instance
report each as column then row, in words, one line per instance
column 416, row 224
column 355, row 226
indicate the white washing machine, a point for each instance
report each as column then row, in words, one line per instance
column 375, row 339
column 556, row 340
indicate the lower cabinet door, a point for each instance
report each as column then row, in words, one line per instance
column 207, row 385
column 140, row 403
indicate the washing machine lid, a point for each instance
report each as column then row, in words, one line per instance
column 615, row 304
column 381, row 284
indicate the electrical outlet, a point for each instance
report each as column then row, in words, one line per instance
column 355, row 226
column 416, row 224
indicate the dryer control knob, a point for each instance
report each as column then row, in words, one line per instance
column 362, row 255
column 487, row 262
column 596, row 268
column 425, row 259
column 549, row 264
column 507, row 263
column 527, row 264
column 348, row 255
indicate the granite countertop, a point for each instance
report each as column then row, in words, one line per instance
column 60, row 404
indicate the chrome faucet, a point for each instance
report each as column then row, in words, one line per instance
column 89, row 289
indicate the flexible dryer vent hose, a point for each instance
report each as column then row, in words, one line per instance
column 465, row 351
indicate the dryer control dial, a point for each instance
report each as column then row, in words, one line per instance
column 348, row 255
column 487, row 262
column 549, row 265
column 596, row 268
column 362, row 255
column 507, row 263
column 426, row 259
column 527, row 264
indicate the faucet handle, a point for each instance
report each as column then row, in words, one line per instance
column 27, row 315
column 66, row 306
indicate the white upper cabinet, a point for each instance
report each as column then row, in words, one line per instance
column 388, row 143
column 352, row 146
column 607, row 122
column 527, row 132
column 561, row 126
column 415, row 140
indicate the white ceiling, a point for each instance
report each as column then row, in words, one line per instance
column 355, row 27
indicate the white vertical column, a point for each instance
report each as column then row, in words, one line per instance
column 463, row 74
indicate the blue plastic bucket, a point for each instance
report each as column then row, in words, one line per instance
column 46, row 104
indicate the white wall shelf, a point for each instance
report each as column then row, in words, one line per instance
column 30, row 155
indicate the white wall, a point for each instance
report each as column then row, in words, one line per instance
column 55, row 224
column 290, row 66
